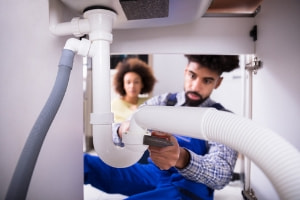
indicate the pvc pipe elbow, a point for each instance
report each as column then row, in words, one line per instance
column 79, row 26
column 112, row 154
column 81, row 47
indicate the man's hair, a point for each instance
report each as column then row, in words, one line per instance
column 137, row 66
column 217, row 63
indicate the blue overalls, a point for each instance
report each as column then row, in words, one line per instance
column 146, row 181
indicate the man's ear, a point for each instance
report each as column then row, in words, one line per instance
column 219, row 81
column 186, row 69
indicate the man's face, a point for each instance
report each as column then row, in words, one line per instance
column 199, row 83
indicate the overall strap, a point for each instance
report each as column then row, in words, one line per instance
column 171, row 99
column 218, row 106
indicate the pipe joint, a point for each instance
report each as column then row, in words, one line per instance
column 135, row 134
column 81, row 47
column 78, row 27
column 75, row 27
column 84, row 47
column 101, row 35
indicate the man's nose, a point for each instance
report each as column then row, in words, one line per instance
column 196, row 85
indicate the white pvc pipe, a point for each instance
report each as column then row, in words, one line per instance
column 102, row 118
column 98, row 24
column 77, row 27
column 247, row 181
column 277, row 158
column 247, row 185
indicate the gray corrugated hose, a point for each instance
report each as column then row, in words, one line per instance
column 22, row 175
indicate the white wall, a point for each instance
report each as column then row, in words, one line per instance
column 168, row 70
column 278, row 45
column 29, row 64
column 276, row 93
column 205, row 35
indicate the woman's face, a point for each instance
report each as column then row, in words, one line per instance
column 132, row 84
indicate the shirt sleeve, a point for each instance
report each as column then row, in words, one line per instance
column 213, row 169
column 115, row 136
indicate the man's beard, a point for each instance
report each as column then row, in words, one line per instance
column 193, row 103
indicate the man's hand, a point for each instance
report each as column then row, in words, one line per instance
column 124, row 127
column 170, row 156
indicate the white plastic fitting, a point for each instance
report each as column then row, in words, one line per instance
column 81, row 47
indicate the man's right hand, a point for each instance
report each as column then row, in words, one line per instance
column 124, row 127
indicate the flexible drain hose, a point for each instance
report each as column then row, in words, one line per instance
column 22, row 175
column 277, row 158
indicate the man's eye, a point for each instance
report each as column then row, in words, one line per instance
column 192, row 75
column 207, row 81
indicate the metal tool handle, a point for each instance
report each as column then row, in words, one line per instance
column 156, row 141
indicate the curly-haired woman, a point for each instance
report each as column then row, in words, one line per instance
column 133, row 78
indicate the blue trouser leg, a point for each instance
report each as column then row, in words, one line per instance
column 161, row 193
column 127, row 181
column 142, row 181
